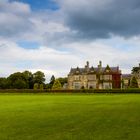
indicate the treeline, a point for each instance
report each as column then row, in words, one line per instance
column 29, row 80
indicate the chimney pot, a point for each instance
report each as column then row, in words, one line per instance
column 100, row 63
column 87, row 65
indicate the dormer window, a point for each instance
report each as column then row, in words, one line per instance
column 107, row 70
column 77, row 78
column 92, row 69
column 77, row 72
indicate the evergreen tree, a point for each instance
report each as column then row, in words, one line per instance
column 134, row 83
column 50, row 84
column 57, row 84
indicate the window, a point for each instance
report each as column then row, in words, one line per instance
column 77, row 85
column 101, row 77
column 91, row 77
column 77, row 78
column 107, row 77
column 92, row 85
column 107, row 85
column 77, row 72
column 107, row 70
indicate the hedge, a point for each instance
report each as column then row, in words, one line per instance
column 70, row 91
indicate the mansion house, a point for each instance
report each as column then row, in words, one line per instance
column 94, row 77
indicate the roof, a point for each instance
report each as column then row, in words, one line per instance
column 93, row 70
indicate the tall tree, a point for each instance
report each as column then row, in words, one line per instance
column 28, row 76
column 52, row 79
column 50, row 84
column 39, row 77
column 17, row 80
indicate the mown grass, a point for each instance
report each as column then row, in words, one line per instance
column 70, row 117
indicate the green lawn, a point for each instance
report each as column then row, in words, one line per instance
column 70, row 117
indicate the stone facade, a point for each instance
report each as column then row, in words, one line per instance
column 136, row 73
column 94, row 77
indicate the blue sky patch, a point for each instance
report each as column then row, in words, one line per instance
column 28, row 45
column 41, row 4
column 23, row 64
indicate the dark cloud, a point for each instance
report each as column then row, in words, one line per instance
column 101, row 19
column 83, row 20
column 14, row 19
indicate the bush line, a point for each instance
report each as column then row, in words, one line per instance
column 70, row 91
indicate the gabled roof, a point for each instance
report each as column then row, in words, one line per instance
column 93, row 70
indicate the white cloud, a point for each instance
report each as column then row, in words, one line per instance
column 52, row 61
column 15, row 58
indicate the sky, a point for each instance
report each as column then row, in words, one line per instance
column 55, row 35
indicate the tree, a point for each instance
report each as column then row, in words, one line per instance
column 135, row 69
column 47, row 86
column 50, row 84
column 57, row 84
column 39, row 77
column 28, row 77
column 41, row 86
column 134, row 83
column 63, row 80
column 23, row 80
column 36, row 86
column 17, row 81
column 19, row 84
column 52, row 80
column 4, row 83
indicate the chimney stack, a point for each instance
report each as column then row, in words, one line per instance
column 100, row 63
column 117, row 68
column 87, row 66
column 100, row 66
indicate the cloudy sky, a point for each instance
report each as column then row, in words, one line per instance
column 55, row 35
